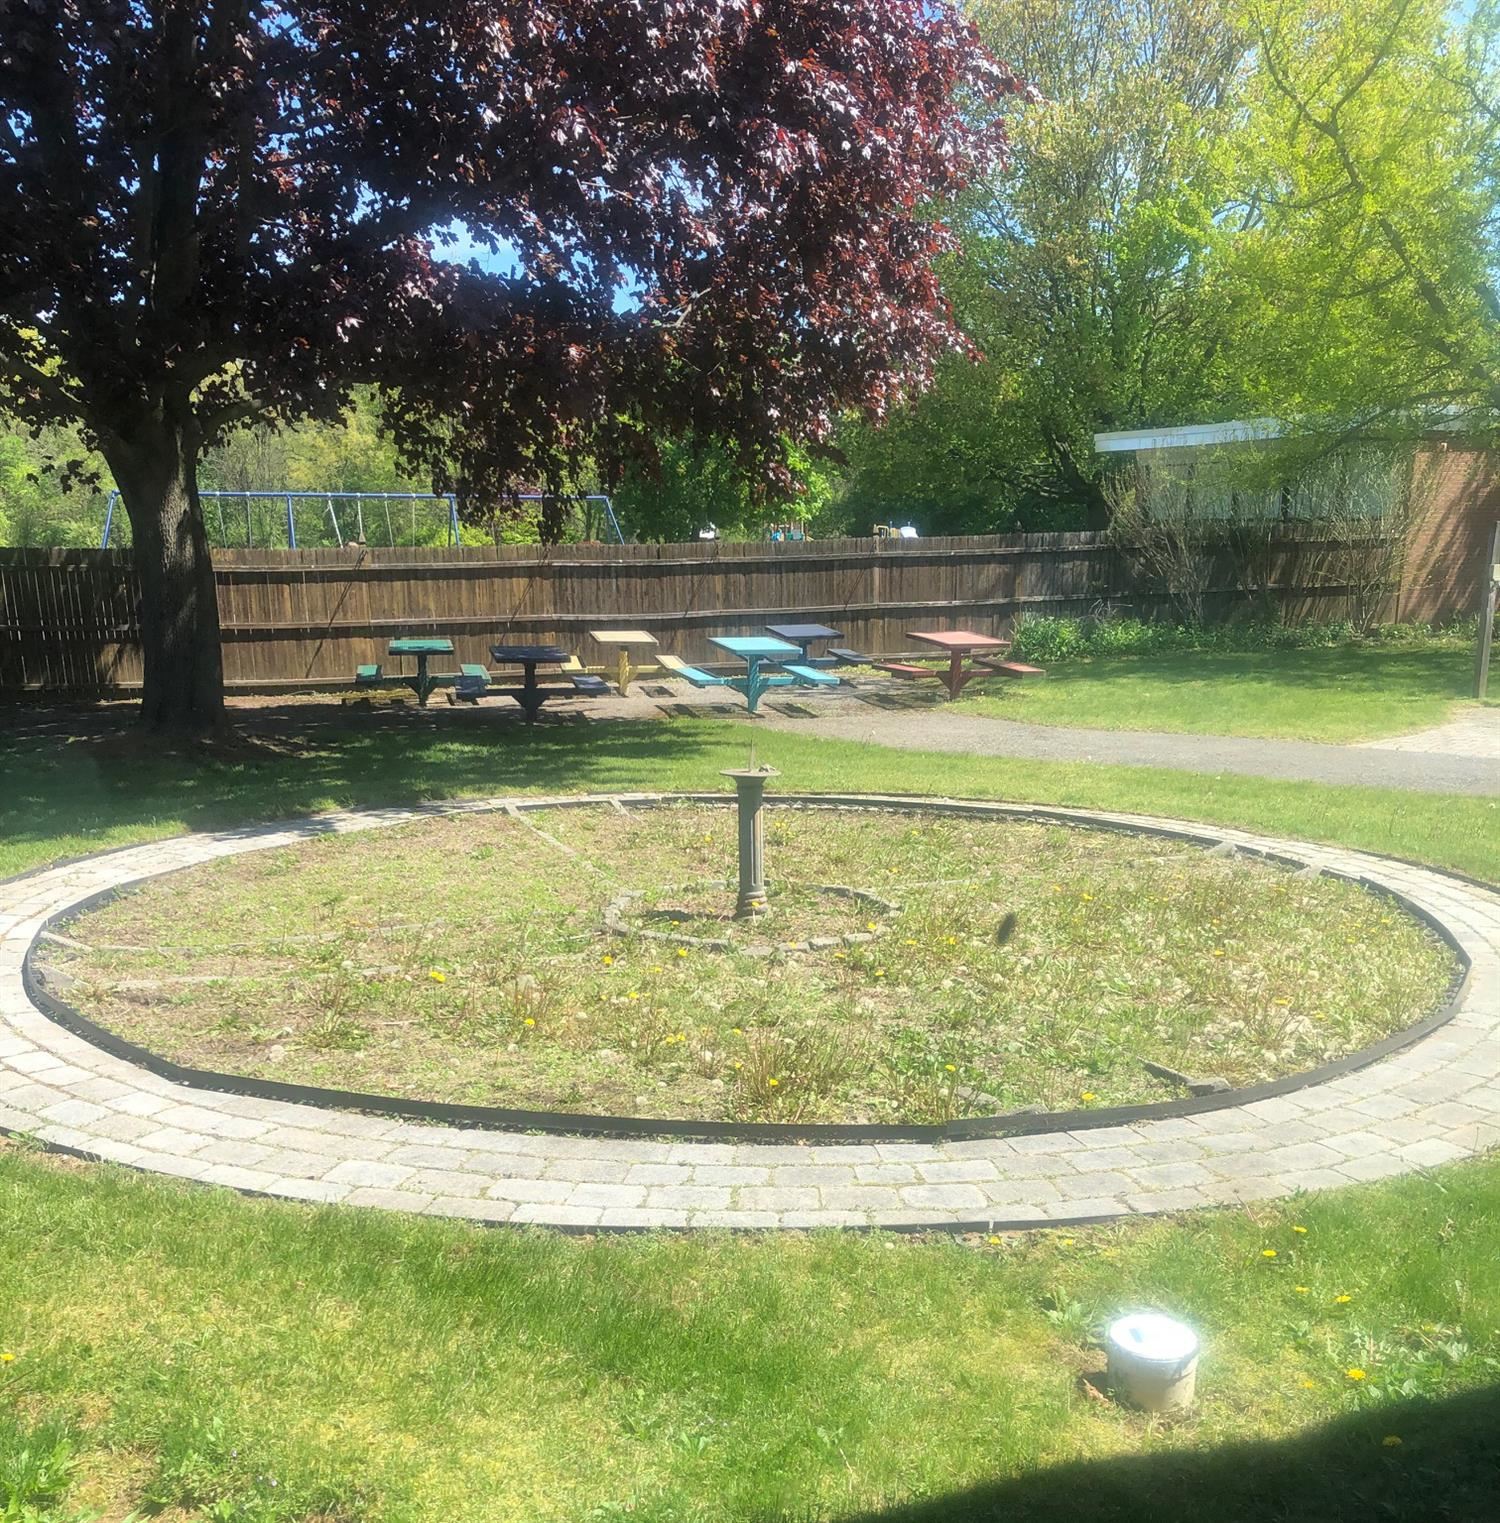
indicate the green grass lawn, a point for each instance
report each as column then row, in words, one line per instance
column 1345, row 693
column 192, row 1353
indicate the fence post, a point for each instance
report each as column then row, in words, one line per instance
column 1489, row 580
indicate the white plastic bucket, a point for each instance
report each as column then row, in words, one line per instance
column 1153, row 1361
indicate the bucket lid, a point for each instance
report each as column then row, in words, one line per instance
column 1153, row 1337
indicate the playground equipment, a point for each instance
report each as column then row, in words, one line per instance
column 788, row 531
column 890, row 531
column 598, row 514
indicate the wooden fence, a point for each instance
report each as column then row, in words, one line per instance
column 306, row 618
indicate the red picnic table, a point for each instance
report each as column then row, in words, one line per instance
column 959, row 644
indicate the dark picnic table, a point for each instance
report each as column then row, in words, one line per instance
column 531, row 694
column 806, row 635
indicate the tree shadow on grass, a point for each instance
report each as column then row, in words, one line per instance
column 65, row 774
column 1446, row 1469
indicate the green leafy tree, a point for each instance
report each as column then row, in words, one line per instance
column 1091, row 280
column 1368, row 181
column 695, row 484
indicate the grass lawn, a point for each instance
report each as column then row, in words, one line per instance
column 191, row 1352
column 196, row 1348
column 467, row 960
column 1346, row 693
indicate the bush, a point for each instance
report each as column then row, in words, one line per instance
column 1045, row 640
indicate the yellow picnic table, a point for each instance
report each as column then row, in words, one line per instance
column 627, row 642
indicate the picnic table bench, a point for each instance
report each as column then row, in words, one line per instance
column 425, row 682
column 473, row 681
column 532, row 694
column 959, row 644
column 768, row 664
column 627, row 643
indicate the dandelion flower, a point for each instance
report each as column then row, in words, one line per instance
column 529, row 1021
column 1268, row 1253
column 1308, row 1385
column 994, row 1243
column 1281, row 1002
column 1300, row 1289
column 772, row 1083
column 1218, row 951
column 1068, row 1242
column 437, row 975
column 1300, row 1231
column 870, row 925
column 607, row 960
column 634, row 994
column 1355, row 1373
column 1343, row 1300
column 736, row 1031
column 1088, row 1095
column 7, row 1357
column 1391, row 1441
column 1087, row 898
column 880, row 973
column 682, row 951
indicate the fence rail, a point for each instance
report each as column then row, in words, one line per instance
column 294, row 618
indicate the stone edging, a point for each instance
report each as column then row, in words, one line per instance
column 584, row 1124
column 1437, row 1099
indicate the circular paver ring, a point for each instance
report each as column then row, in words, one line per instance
column 1434, row 1100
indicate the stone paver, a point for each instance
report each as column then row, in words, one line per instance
column 1476, row 732
column 1437, row 1100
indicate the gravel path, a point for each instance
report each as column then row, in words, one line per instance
column 1436, row 1100
column 1381, row 765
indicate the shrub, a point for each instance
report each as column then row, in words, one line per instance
column 1045, row 639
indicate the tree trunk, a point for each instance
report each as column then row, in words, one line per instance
column 156, row 471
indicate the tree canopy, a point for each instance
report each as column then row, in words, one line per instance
column 1367, row 178
column 703, row 215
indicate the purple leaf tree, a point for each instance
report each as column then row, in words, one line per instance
column 703, row 215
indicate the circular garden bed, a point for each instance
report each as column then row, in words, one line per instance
column 911, row 967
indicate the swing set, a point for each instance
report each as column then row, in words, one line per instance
column 599, row 519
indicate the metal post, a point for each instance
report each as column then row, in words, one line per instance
column 452, row 520
column 291, row 525
column 750, row 788
column 1489, row 583
column 109, row 518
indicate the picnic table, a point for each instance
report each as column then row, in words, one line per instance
column 531, row 695
column 804, row 635
column 759, row 652
column 958, row 644
column 627, row 642
column 425, row 683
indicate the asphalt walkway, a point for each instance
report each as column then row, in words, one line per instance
column 1384, row 764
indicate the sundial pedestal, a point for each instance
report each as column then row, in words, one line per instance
column 750, row 788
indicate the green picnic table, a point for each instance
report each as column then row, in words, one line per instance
column 425, row 682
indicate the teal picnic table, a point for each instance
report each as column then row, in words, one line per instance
column 757, row 653
column 425, row 683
